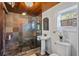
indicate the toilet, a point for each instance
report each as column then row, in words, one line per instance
column 62, row 49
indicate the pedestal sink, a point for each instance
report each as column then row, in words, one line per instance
column 43, row 39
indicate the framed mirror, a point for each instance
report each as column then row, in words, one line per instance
column 46, row 24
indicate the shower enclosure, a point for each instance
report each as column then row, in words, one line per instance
column 21, row 33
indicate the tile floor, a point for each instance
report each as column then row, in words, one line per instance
column 31, row 52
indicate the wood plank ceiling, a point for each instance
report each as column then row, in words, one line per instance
column 36, row 9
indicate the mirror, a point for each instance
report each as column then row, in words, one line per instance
column 46, row 24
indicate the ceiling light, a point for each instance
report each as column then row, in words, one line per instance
column 12, row 4
column 30, row 4
column 23, row 13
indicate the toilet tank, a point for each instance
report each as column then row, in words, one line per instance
column 63, row 48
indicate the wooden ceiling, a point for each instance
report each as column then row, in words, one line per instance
column 36, row 9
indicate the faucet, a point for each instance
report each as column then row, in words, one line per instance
column 45, row 34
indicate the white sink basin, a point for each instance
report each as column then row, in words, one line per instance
column 43, row 37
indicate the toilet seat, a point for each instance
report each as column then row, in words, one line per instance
column 53, row 54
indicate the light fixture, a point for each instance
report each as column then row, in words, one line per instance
column 23, row 13
column 29, row 4
column 12, row 4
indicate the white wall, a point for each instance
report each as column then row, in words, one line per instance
column 52, row 14
column 78, row 29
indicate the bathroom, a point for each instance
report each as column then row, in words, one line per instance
column 40, row 31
